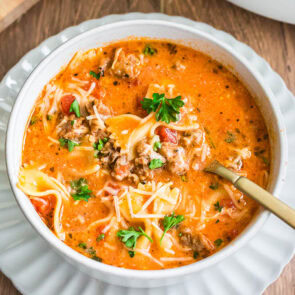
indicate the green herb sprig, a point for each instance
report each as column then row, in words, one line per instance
column 155, row 163
column 69, row 143
column 218, row 242
column 98, row 146
column 217, row 207
column 82, row 192
column 75, row 108
column 148, row 50
column 129, row 237
column 157, row 146
column 95, row 75
column 167, row 109
column 171, row 221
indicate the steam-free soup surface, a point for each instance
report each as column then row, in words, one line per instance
column 115, row 148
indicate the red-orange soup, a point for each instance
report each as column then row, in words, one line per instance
column 115, row 148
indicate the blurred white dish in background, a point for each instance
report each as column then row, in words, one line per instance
column 281, row 10
column 35, row 268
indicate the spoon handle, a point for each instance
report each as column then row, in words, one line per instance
column 256, row 192
column 266, row 199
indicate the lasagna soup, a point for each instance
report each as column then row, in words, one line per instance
column 115, row 148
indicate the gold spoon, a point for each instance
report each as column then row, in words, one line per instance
column 256, row 192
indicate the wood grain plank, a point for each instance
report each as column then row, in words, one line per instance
column 10, row 10
column 272, row 40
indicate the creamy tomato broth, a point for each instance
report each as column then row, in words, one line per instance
column 115, row 149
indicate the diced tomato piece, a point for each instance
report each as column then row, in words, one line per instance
column 43, row 205
column 227, row 203
column 66, row 102
column 167, row 134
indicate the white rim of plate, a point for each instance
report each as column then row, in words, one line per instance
column 116, row 18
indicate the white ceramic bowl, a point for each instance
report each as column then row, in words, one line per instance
column 182, row 34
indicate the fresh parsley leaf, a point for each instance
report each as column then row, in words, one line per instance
column 70, row 144
column 129, row 237
column 171, row 221
column 96, row 258
column 82, row 245
column 98, row 146
column 148, row 50
column 230, row 137
column 81, row 189
column 217, row 207
column 100, row 237
column 62, row 142
column 155, row 163
column 217, row 221
column 196, row 254
column 184, row 178
column 73, row 122
column 157, row 145
column 218, row 242
column 131, row 253
column 91, row 251
column 214, row 186
column 33, row 120
column 95, row 75
column 76, row 184
column 75, row 108
column 167, row 109
column 49, row 117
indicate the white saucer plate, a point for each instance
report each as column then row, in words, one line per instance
column 35, row 268
column 281, row 10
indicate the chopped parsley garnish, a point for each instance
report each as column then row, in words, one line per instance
column 214, row 186
column 217, row 207
column 33, row 120
column 75, row 108
column 155, row 163
column 148, row 50
column 73, row 122
column 100, row 237
column 129, row 237
column 82, row 246
column 49, row 117
column 167, row 109
column 259, row 153
column 90, row 251
column 69, row 143
column 131, row 253
column 171, row 221
column 230, row 137
column 95, row 75
column 96, row 258
column 157, row 145
column 180, row 234
column 81, row 189
column 184, row 178
column 218, row 242
column 217, row 221
column 98, row 146
column 196, row 254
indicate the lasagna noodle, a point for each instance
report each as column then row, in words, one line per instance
column 35, row 183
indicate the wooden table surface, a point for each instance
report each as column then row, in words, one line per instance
column 272, row 40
